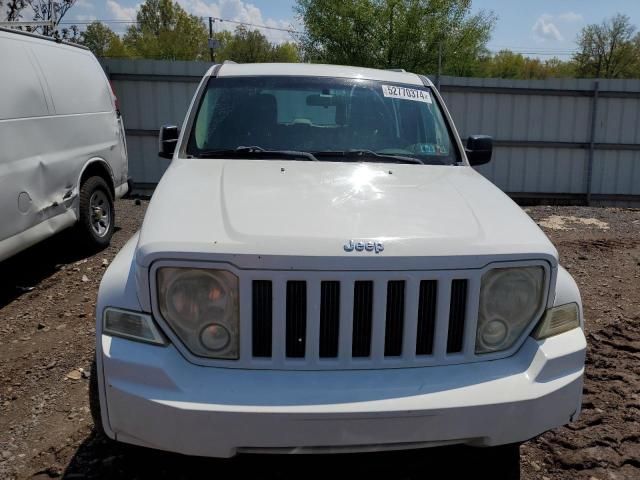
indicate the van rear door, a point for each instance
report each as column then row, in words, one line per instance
column 122, row 160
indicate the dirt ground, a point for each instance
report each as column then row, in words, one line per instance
column 47, row 301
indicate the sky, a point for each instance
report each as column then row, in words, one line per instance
column 534, row 27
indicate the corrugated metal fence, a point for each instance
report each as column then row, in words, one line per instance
column 565, row 139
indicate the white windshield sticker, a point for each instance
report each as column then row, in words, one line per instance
column 404, row 93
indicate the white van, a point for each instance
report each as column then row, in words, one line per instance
column 63, row 156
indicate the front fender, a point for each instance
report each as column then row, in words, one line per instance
column 117, row 289
column 118, row 285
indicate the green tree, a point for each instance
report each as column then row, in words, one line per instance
column 248, row 46
column 504, row 64
column 507, row 64
column 286, row 53
column 166, row 31
column 251, row 46
column 395, row 33
column 103, row 41
column 608, row 50
column 560, row 69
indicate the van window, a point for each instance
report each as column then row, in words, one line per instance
column 75, row 79
column 22, row 94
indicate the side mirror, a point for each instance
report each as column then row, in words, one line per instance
column 479, row 149
column 168, row 140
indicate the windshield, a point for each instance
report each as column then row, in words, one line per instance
column 330, row 118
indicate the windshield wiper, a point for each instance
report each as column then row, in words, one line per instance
column 370, row 155
column 255, row 152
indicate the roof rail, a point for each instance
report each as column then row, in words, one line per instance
column 230, row 62
column 400, row 70
column 42, row 37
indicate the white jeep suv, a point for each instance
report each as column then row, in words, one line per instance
column 321, row 270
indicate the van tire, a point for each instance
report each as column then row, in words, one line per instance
column 97, row 214
column 94, row 401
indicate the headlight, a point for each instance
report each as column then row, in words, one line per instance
column 201, row 306
column 510, row 300
column 558, row 320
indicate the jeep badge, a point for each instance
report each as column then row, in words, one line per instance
column 360, row 246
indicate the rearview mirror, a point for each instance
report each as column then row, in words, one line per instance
column 324, row 100
column 168, row 140
column 479, row 149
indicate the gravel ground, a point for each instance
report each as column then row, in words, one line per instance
column 47, row 301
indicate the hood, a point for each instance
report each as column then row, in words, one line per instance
column 205, row 208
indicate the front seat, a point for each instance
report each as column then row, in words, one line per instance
column 262, row 121
column 252, row 121
column 370, row 126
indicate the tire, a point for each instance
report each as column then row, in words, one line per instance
column 97, row 214
column 94, row 401
column 498, row 463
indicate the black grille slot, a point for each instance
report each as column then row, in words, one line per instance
column 362, row 318
column 457, row 313
column 329, row 319
column 395, row 318
column 262, row 309
column 296, row 318
column 426, row 317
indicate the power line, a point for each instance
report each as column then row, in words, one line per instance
column 534, row 50
column 493, row 49
column 524, row 47
column 526, row 52
column 218, row 19
column 539, row 52
column 87, row 22
column 288, row 30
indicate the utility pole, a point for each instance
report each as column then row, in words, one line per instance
column 439, row 66
column 211, row 41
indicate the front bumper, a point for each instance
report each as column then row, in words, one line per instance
column 151, row 396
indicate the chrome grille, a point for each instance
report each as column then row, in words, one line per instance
column 294, row 319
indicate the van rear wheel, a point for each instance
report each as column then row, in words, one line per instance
column 97, row 213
